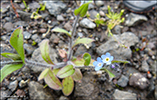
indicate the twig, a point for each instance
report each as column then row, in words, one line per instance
column 17, row 15
column 71, row 40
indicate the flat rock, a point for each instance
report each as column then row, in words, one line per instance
column 27, row 35
column 85, row 22
column 123, row 95
column 36, row 91
column 127, row 38
column 68, row 26
column 137, row 80
column 145, row 66
column 87, row 89
column 123, row 81
column 93, row 13
column 55, row 7
column 134, row 19
column 60, row 18
column 99, row 3
column 8, row 26
column 13, row 85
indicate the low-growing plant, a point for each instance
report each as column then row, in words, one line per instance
column 69, row 69
column 35, row 14
column 114, row 19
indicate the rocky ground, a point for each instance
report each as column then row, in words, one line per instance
column 136, row 80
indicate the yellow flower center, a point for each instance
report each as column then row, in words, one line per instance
column 107, row 59
column 99, row 64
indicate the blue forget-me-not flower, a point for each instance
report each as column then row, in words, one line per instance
column 98, row 64
column 107, row 58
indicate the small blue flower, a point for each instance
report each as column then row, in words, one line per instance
column 107, row 58
column 98, row 64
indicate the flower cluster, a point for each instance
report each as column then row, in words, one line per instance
column 105, row 59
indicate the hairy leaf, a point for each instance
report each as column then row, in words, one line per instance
column 44, row 49
column 80, row 62
column 83, row 41
column 66, row 71
column 77, row 76
column 52, row 81
column 61, row 31
column 87, row 58
column 11, row 56
column 68, row 86
column 16, row 40
column 8, row 69
column 43, row 74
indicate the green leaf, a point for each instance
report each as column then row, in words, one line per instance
column 11, row 56
column 43, row 74
column 44, row 49
column 80, row 62
column 77, row 76
column 55, row 71
column 68, row 86
column 61, row 31
column 52, row 81
column 83, row 41
column 87, row 58
column 8, row 69
column 82, row 9
column 120, row 61
column 111, row 75
column 16, row 40
column 66, row 71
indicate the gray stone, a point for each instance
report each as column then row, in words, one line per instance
column 123, row 95
column 101, row 13
column 60, row 18
column 145, row 66
column 123, row 81
column 8, row 26
column 13, row 85
column 36, row 38
column 137, row 80
column 25, row 16
column 99, row 3
column 90, row 6
column 80, row 34
column 27, row 35
column 4, row 94
column 29, row 48
column 134, row 19
column 80, row 50
column 68, row 26
column 86, row 89
column 117, row 29
column 42, row 30
column 34, row 5
column 93, row 13
column 36, row 91
column 21, row 23
column 55, row 7
column 87, row 23
column 6, row 48
column 36, row 56
column 127, row 38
